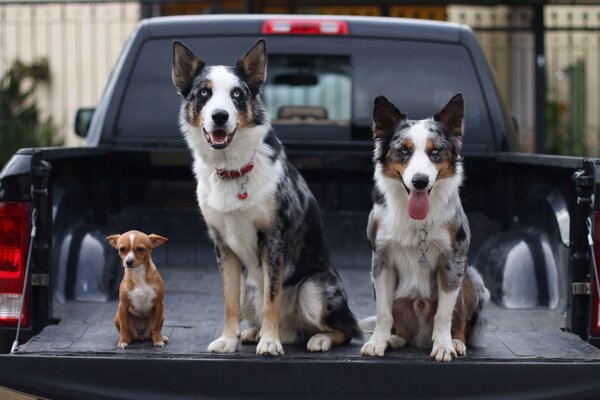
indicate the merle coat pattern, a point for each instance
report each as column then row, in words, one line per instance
column 418, row 172
column 269, row 246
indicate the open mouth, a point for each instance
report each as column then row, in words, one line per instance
column 418, row 203
column 219, row 139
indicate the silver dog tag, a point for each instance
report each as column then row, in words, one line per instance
column 424, row 261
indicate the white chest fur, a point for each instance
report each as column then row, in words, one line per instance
column 235, row 219
column 142, row 296
column 398, row 235
column 237, row 229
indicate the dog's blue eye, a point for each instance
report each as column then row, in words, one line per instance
column 204, row 93
column 236, row 94
column 404, row 150
column 435, row 152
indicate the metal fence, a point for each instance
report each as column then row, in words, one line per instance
column 572, row 69
column 83, row 39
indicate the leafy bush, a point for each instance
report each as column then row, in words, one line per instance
column 20, row 124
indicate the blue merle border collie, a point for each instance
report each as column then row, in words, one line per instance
column 426, row 294
column 264, row 221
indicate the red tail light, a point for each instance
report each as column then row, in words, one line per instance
column 595, row 320
column 14, row 241
column 304, row 27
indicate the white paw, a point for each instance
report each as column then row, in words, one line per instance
column 443, row 350
column 375, row 346
column 269, row 346
column 223, row 345
column 250, row 335
column 160, row 343
column 165, row 338
column 459, row 347
column 319, row 342
column 396, row 342
column 122, row 345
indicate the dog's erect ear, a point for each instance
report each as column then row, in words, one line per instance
column 112, row 240
column 452, row 115
column 253, row 66
column 185, row 67
column 386, row 117
column 156, row 240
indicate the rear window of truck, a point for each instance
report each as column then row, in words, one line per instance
column 318, row 88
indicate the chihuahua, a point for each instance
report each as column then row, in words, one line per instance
column 140, row 313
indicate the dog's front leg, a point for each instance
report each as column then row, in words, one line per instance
column 449, row 279
column 230, row 268
column 271, row 265
column 157, row 323
column 122, row 323
column 384, row 281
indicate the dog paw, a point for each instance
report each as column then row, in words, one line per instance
column 250, row 335
column 268, row 346
column 443, row 350
column 319, row 342
column 159, row 340
column 459, row 347
column 396, row 342
column 374, row 347
column 223, row 345
column 122, row 344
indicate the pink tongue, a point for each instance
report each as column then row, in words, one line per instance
column 218, row 137
column 418, row 204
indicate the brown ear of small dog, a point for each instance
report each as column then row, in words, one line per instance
column 112, row 240
column 156, row 240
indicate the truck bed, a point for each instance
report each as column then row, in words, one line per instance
column 193, row 318
column 82, row 346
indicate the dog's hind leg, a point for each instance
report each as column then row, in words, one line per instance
column 249, row 310
column 459, row 327
column 250, row 335
column 323, row 305
column 324, row 340
column 230, row 268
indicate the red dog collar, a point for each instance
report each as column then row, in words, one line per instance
column 227, row 174
column 233, row 174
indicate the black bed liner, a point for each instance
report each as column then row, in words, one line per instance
column 524, row 346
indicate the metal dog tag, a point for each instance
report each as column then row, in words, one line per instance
column 424, row 261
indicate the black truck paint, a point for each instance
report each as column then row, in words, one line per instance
column 135, row 172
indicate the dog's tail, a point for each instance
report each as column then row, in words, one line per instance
column 344, row 321
column 478, row 322
column 367, row 325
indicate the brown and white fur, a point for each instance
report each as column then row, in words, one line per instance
column 140, row 313
column 270, row 246
column 418, row 172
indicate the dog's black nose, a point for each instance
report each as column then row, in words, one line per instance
column 129, row 262
column 420, row 181
column 220, row 117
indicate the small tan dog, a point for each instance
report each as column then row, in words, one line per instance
column 141, row 293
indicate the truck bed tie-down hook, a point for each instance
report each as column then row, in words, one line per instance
column 15, row 345
column 590, row 226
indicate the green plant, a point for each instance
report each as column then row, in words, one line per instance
column 20, row 122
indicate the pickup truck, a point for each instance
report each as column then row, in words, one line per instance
column 534, row 218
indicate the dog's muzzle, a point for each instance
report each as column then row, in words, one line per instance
column 219, row 139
